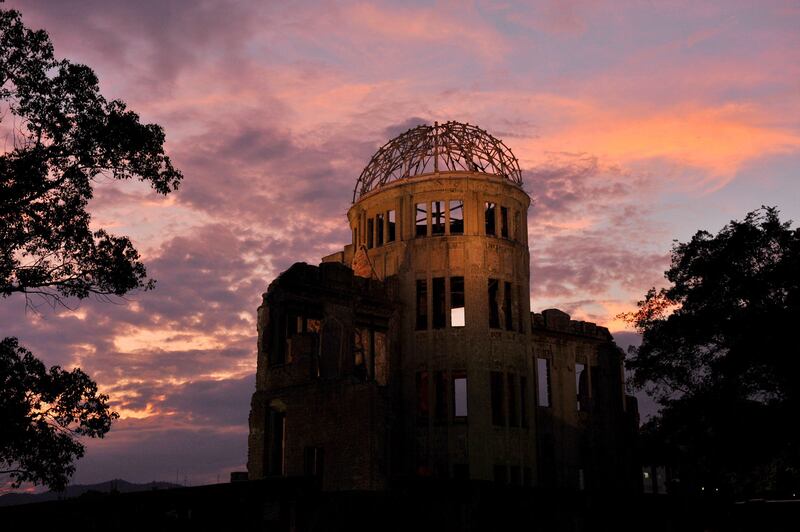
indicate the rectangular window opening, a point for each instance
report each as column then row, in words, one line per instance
column 489, row 218
column 497, row 392
column 523, row 401
column 300, row 338
column 276, row 339
column 370, row 233
column 507, row 306
column 421, row 219
column 504, row 222
column 293, row 327
column 391, row 218
column 313, row 461
column 543, row 381
column 278, row 443
column 361, row 345
column 438, row 303
column 494, row 311
column 456, row 217
column 513, row 413
column 460, row 396
column 457, row 302
column 379, row 229
column 312, row 326
column 521, row 309
column 582, row 387
column 437, row 217
column 422, row 304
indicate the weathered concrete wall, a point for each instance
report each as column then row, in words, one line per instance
column 401, row 420
column 476, row 349
column 586, row 433
column 327, row 399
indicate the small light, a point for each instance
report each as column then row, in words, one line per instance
column 716, row 489
column 702, row 488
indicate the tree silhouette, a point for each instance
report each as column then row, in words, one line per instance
column 61, row 136
column 66, row 136
column 719, row 352
column 42, row 414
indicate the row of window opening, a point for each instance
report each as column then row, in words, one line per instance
column 294, row 334
column 544, row 384
column 501, row 299
column 449, row 397
column 313, row 457
column 509, row 398
column 508, row 392
column 382, row 229
column 370, row 361
column 446, row 217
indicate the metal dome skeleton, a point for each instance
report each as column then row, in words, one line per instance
column 448, row 147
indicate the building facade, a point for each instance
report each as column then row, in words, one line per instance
column 413, row 351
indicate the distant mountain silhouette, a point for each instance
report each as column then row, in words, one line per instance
column 116, row 485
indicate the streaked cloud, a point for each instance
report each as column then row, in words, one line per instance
column 634, row 124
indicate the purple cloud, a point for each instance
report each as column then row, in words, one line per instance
column 272, row 113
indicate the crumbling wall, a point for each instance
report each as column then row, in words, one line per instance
column 586, row 432
column 322, row 399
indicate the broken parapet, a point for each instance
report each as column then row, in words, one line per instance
column 557, row 320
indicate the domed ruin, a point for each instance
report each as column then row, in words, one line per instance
column 448, row 147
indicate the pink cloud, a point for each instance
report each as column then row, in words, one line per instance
column 714, row 142
column 448, row 25
column 272, row 113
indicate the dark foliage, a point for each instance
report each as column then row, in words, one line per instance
column 64, row 137
column 61, row 137
column 720, row 352
column 43, row 412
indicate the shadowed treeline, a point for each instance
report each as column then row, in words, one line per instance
column 719, row 353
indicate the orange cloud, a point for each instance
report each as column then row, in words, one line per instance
column 716, row 140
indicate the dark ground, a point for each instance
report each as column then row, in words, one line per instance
column 296, row 505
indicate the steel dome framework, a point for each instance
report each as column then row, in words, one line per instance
column 448, row 147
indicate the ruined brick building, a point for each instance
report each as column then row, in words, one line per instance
column 414, row 352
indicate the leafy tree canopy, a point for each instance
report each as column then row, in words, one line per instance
column 720, row 353
column 43, row 412
column 62, row 136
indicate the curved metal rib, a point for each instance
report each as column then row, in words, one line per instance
column 452, row 146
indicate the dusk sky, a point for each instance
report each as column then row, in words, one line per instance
column 635, row 123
